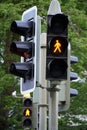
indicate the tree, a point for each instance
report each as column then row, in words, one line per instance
column 77, row 36
column 11, row 10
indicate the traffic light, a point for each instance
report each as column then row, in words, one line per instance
column 57, row 44
column 26, row 48
column 27, row 113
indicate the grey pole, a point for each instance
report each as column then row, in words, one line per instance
column 53, row 108
column 43, row 82
column 36, row 93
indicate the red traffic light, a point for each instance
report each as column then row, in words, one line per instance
column 25, row 49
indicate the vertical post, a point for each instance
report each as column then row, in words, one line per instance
column 36, row 93
column 35, row 117
column 53, row 107
column 43, row 82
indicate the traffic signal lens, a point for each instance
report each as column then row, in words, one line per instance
column 23, row 28
column 27, row 112
column 59, row 23
column 27, row 122
column 25, row 49
column 58, row 46
column 22, row 69
column 57, row 68
column 27, row 102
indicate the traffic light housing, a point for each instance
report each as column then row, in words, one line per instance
column 66, row 92
column 57, row 44
column 27, row 113
column 26, row 48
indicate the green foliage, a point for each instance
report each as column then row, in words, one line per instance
column 12, row 10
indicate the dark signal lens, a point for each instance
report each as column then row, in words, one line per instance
column 59, row 23
column 27, row 122
column 57, row 68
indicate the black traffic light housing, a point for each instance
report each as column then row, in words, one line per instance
column 57, row 24
column 24, row 28
column 57, row 47
column 24, row 49
column 23, row 70
column 27, row 113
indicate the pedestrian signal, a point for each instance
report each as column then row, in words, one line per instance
column 57, row 47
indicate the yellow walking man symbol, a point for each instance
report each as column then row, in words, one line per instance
column 57, row 47
column 27, row 112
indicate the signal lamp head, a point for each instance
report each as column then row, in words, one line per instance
column 27, row 123
column 59, row 23
column 25, row 49
column 27, row 112
column 22, row 70
column 57, row 68
column 27, row 102
column 58, row 45
column 23, row 28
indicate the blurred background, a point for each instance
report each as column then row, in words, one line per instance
column 10, row 107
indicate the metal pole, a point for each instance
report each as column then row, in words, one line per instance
column 53, row 107
column 36, row 93
column 43, row 82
